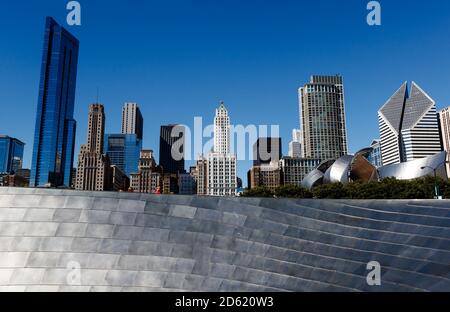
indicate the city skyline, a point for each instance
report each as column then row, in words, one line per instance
column 242, row 104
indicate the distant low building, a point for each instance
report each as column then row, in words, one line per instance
column 170, row 183
column 13, row 180
column 148, row 179
column 24, row 173
column 120, row 181
column 187, row 184
column 268, row 176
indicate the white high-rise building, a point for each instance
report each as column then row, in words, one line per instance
column 219, row 166
column 295, row 146
column 132, row 121
column 222, row 130
column 221, row 174
column 409, row 126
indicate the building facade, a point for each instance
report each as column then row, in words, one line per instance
column 266, row 175
column 295, row 146
column 222, row 128
column 170, row 183
column 221, row 164
column 11, row 154
column 444, row 121
column 132, row 121
column 409, row 126
column 13, row 180
column 201, row 176
column 93, row 171
column 120, row 181
column 322, row 118
column 54, row 137
column 221, row 174
column 171, row 149
column 375, row 155
column 25, row 174
column 294, row 170
column 187, row 184
column 124, row 151
column 148, row 179
column 266, row 151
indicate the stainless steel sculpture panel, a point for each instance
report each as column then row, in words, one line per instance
column 416, row 169
column 339, row 171
column 351, row 168
column 313, row 179
column 58, row 240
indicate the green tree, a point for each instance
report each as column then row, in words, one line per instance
column 331, row 191
column 293, row 191
column 260, row 191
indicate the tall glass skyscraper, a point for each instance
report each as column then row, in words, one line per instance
column 171, row 138
column 123, row 151
column 54, row 137
column 322, row 117
column 11, row 154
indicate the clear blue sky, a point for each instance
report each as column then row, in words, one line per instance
column 177, row 59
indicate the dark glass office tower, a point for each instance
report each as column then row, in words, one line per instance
column 267, row 150
column 54, row 137
column 171, row 162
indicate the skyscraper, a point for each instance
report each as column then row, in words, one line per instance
column 322, row 116
column 221, row 164
column 132, row 121
column 409, row 126
column 295, row 146
column 11, row 154
column 444, row 118
column 54, row 137
column 171, row 149
column 123, row 150
column 94, row 172
column 266, row 151
column 222, row 130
